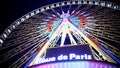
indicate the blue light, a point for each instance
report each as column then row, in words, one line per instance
column 27, row 64
column 111, row 55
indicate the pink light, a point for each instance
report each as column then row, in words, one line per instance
column 77, row 64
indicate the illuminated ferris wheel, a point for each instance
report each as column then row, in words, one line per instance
column 62, row 24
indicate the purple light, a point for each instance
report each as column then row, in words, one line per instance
column 77, row 64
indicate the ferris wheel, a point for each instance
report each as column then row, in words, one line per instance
column 96, row 23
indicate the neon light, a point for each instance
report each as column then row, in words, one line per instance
column 115, row 58
column 85, row 56
column 64, row 28
column 62, row 57
column 27, row 64
column 72, row 39
column 91, row 43
column 77, row 64
column 63, row 38
column 44, row 60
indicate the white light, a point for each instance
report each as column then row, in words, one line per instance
column 79, row 2
column 73, row 2
column 1, row 41
column 115, row 7
column 84, row 2
column 5, row 35
column 77, row 57
column 47, row 7
column 68, row 3
column 90, row 17
column 45, row 20
column 102, row 4
column 87, row 15
column 52, row 6
column 96, row 3
column 32, row 14
column 37, row 11
column 54, row 15
column 73, row 11
column 44, row 60
column 57, row 5
column 9, row 30
column 90, row 2
column 82, row 13
column 63, row 4
column 18, row 23
column 13, row 26
column 58, row 13
column 50, row 17
column 62, row 57
column 78, row 11
column 22, row 19
column 109, row 5
column 72, row 56
column 27, row 16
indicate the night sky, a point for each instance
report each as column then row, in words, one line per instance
column 11, row 10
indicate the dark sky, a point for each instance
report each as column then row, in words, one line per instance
column 11, row 10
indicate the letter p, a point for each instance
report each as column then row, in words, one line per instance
column 72, row 56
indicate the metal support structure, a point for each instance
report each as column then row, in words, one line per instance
column 50, row 25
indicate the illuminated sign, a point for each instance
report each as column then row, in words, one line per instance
column 70, row 52
column 74, row 56
column 64, row 57
column 79, row 52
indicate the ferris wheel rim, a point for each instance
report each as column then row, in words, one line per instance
column 17, row 22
